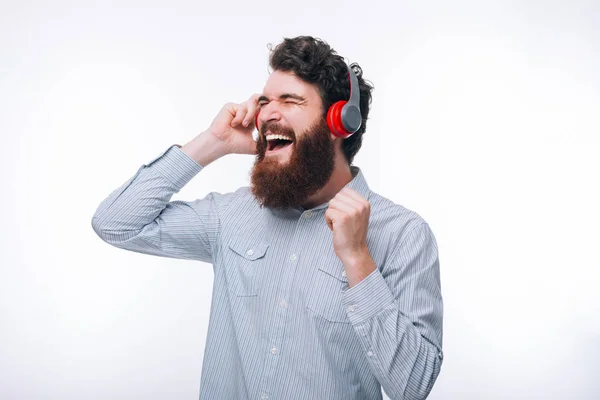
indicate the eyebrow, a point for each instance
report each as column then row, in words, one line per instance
column 284, row 96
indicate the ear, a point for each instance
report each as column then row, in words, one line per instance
column 337, row 143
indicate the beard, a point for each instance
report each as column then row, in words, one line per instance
column 309, row 167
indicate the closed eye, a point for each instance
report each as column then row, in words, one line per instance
column 264, row 103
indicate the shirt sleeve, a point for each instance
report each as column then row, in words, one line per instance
column 397, row 314
column 139, row 216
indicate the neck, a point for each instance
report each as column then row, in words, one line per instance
column 340, row 177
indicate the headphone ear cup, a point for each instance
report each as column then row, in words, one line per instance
column 334, row 119
column 256, row 121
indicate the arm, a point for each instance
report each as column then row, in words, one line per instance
column 139, row 216
column 397, row 314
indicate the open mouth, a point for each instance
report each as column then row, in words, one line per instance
column 278, row 144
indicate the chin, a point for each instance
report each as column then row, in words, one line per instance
column 279, row 157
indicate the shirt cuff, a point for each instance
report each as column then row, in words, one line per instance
column 176, row 166
column 367, row 298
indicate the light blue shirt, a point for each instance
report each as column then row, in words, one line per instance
column 284, row 324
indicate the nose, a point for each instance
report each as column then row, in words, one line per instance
column 267, row 113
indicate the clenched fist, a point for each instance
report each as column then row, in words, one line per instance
column 348, row 217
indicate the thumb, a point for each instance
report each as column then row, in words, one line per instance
column 329, row 219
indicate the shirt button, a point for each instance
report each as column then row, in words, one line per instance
column 264, row 396
column 274, row 350
column 250, row 252
column 307, row 214
column 369, row 353
column 283, row 303
column 351, row 308
column 293, row 257
column 344, row 273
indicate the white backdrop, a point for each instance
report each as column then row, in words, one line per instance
column 485, row 120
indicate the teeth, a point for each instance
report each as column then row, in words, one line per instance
column 272, row 137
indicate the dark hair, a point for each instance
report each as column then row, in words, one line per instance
column 314, row 61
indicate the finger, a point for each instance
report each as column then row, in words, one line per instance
column 343, row 205
column 231, row 108
column 353, row 197
column 254, row 98
column 252, row 105
column 354, row 194
column 240, row 113
column 331, row 216
column 329, row 223
column 356, row 202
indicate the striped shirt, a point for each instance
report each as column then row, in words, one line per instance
column 284, row 323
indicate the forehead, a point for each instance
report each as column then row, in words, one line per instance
column 280, row 82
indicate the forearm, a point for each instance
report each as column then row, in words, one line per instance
column 204, row 149
column 406, row 363
column 403, row 352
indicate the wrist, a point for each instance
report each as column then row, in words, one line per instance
column 359, row 267
column 204, row 148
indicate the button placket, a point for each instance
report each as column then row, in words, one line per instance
column 282, row 314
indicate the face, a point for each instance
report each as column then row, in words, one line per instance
column 295, row 149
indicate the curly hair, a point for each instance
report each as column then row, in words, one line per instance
column 314, row 61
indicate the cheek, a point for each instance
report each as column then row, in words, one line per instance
column 301, row 123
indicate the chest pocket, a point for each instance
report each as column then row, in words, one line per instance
column 243, row 265
column 325, row 296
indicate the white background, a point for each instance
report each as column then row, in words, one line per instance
column 485, row 120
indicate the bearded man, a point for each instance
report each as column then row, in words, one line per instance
column 323, row 289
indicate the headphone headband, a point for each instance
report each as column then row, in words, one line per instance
column 350, row 115
column 354, row 88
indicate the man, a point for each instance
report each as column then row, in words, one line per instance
column 323, row 289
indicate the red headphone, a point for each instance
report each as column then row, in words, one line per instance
column 343, row 117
